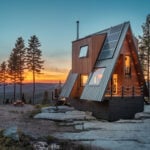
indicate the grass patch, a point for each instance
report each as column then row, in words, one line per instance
column 34, row 112
column 50, row 139
column 10, row 144
column 37, row 109
column 39, row 106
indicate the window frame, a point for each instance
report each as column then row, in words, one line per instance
column 127, row 72
column 82, row 53
column 94, row 75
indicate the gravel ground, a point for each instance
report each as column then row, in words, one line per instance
column 96, row 134
column 19, row 116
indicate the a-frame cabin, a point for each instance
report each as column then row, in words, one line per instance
column 106, row 76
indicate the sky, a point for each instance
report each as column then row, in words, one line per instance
column 54, row 23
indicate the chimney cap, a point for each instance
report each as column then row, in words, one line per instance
column 77, row 29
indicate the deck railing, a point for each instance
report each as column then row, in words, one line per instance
column 125, row 92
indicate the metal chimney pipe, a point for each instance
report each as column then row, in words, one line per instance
column 77, row 30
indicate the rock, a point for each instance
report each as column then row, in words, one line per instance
column 12, row 133
column 75, row 112
column 68, row 116
column 129, row 121
column 54, row 146
column 40, row 145
column 142, row 115
column 63, row 113
column 147, row 108
column 60, row 109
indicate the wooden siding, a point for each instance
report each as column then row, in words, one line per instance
column 133, row 80
column 77, row 88
column 136, row 62
column 126, row 82
column 85, row 65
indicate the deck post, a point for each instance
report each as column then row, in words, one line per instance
column 111, row 93
column 142, row 91
column 122, row 91
column 133, row 92
column 52, row 95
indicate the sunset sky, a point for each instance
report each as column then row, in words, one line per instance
column 54, row 22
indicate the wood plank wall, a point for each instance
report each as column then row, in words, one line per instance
column 119, row 69
column 85, row 65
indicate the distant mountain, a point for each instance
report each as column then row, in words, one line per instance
column 27, row 90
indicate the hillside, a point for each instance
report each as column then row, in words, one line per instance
column 27, row 90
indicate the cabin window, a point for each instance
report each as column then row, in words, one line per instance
column 127, row 66
column 97, row 76
column 115, row 84
column 84, row 79
column 83, row 51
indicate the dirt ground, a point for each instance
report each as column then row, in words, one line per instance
column 19, row 116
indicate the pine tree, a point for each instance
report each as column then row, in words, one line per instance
column 144, row 46
column 13, row 69
column 3, row 74
column 21, row 58
column 34, row 62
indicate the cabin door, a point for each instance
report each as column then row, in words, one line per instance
column 115, row 84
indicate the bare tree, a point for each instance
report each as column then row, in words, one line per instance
column 34, row 61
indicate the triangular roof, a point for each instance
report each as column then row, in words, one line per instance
column 107, row 59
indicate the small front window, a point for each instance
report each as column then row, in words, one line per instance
column 97, row 76
column 84, row 79
column 83, row 51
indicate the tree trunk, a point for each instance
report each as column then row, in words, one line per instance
column 4, row 93
column 33, row 87
column 20, row 90
column 14, row 90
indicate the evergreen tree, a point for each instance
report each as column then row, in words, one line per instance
column 34, row 62
column 21, row 57
column 144, row 46
column 3, row 74
column 13, row 69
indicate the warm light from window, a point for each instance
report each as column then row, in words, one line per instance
column 84, row 79
column 127, row 61
column 97, row 76
column 127, row 66
column 115, row 84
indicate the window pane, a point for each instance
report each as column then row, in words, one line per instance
column 109, row 46
column 127, row 66
column 113, row 37
column 84, row 79
column 97, row 76
column 111, row 42
column 83, row 51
